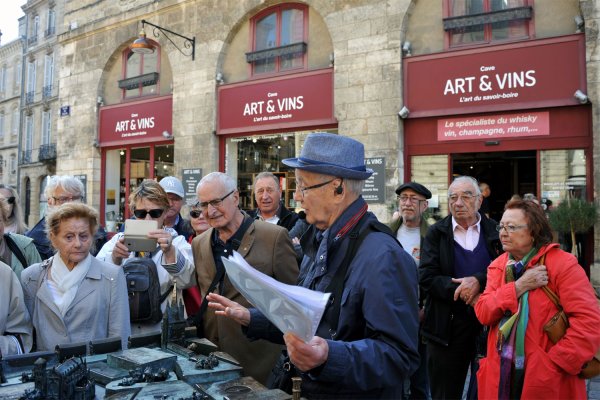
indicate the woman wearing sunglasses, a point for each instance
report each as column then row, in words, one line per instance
column 191, row 296
column 173, row 254
column 14, row 222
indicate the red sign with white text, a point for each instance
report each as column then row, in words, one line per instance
column 494, row 126
column 291, row 101
column 530, row 74
column 141, row 121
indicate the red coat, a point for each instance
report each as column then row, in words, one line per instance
column 550, row 370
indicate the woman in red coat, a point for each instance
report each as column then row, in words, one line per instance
column 521, row 360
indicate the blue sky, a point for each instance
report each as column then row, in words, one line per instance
column 9, row 16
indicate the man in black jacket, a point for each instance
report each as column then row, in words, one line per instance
column 267, row 193
column 453, row 272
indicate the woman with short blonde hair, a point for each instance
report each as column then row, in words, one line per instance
column 72, row 296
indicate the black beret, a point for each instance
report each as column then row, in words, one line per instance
column 417, row 187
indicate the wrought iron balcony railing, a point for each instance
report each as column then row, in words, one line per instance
column 25, row 157
column 47, row 92
column 47, row 152
column 29, row 96
column 51, row 30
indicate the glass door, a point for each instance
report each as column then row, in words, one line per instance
column 125, row 169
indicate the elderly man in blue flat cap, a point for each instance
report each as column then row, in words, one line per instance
column 366, row 342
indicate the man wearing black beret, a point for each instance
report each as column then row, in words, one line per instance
column 410, row 228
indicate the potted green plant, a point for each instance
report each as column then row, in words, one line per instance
column 574, row 216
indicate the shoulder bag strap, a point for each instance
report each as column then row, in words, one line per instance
column 554, row 297
column 549, row 292
column 15, row 250
column 336, row 286
column 220, row 274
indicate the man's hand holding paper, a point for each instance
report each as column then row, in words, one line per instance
column 290, row 308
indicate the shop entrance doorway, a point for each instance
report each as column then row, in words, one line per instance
column 507, row 173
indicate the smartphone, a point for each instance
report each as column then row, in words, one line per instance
column 136, row 234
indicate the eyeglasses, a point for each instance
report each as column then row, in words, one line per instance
column 10, row 200
column 510, row 228
column 195, row 214
column 215, row 203
column 63, row 200
column 302, row 190
column 465, row 197
column 409, row 199
column 154, row 213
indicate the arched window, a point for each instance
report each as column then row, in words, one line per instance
column 140, row 73
column 476, row 22
column 279, row 37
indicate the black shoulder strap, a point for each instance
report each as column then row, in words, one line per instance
column 221, row 272
column 15, row 250
column 329, row 322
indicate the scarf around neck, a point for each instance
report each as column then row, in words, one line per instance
column 511, row 334
column 64, row 283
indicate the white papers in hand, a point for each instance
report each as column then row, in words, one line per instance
column 290, row 308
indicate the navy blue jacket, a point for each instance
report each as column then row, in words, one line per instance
column 436, row 271
column 44, row 247
column 376, row 343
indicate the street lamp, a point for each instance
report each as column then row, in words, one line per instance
column 142, row 46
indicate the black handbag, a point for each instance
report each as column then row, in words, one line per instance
column 282, row 373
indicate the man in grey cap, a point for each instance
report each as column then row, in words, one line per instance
column 410, row 228
column 174, row 220
column 366, row 342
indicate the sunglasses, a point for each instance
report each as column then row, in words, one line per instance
column 195, row 214
column 10, row 200
column 154, row 213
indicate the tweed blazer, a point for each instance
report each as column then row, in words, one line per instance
column 99, row 310
column 268, row 248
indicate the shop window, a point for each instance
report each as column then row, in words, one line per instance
column 163, row 162
column 472, row 22
column 137, row 163
column 249, row 155
column 279, row 39
column 562, row 174
column 432, row 172
column 141, row 73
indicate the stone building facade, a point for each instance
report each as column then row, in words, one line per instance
column 11, row 55
column 359, row 45
column 39, row 102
